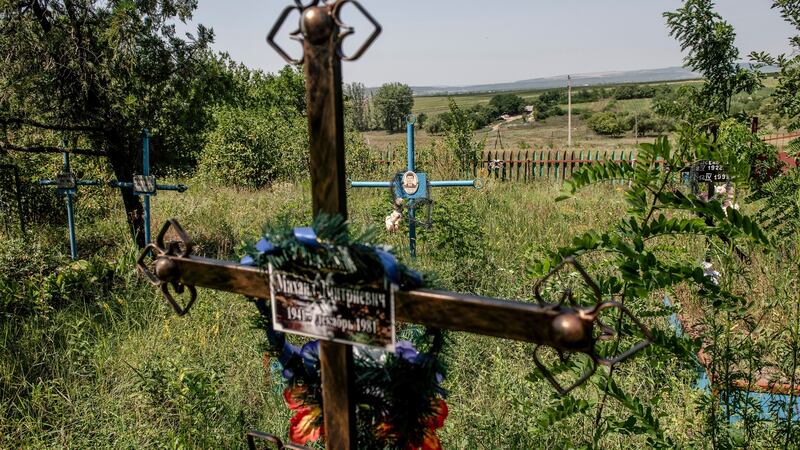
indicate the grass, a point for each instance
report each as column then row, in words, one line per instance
column 104, row 363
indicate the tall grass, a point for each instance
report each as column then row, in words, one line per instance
column 100, row 361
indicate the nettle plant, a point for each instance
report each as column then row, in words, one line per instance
column 656, row 249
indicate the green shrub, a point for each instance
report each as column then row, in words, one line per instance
column 253, row 147
column 608, row 123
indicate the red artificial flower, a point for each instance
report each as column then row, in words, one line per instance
column 440, row 409
column 294, row 396
column 432, row 423
column 305, row 426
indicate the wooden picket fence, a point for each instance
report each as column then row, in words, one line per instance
column 527, row 165
column 780, row 140
column 530, row 165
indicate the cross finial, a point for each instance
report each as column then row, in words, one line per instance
column 319, row 22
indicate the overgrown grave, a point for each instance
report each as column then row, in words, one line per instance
column 67, row 184
column 321, row 281
column 412, row 190
column 651, row 257
column 710, row 182
column 145, row 185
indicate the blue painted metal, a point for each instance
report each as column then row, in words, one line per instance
column 68, row 199
column 456, row 183
column 146, row 196
column 371, row 184
column 422, row 193
column 765, row 400
column 73, row 245
column 146, row 172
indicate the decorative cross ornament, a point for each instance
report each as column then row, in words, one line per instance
column 414, row 188
column 66, row 184
column 145, row 185
column 175, row 269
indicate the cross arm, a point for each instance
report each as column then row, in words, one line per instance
column 458, row 183
column 370, row 184
column 79, row 182
column 160, row 187
column 173, row 268
column 528, row 322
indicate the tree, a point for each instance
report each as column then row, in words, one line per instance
column 356, row 95
column 108, row 69
column 393, row 102
column 507, row 104
column 709, row 43
column 787, row 93
column 459, row 137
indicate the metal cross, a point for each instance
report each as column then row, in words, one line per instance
column 174, row 268
column 67, row 185
column 413, row 187
column 145, row 184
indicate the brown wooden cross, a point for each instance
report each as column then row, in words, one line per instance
column 174, row 268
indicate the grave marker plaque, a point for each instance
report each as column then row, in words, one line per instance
column 320, row 308
column 66, row 183
column 708, row 172
column 144, row 185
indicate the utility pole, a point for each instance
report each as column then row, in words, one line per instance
column 569, row 111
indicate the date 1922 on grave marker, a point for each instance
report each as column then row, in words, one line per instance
column 320, row 308
column 708, row 172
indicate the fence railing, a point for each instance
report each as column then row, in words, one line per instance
column 780, row 140
column 530, row 165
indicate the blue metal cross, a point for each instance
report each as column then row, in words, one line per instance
column 67, row 185
column 145, row 185
column 413, row 186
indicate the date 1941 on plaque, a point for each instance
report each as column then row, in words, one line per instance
column 322, row 309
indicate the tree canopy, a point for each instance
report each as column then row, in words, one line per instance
column 709, row 43
column 109, row 69
column 393, row 102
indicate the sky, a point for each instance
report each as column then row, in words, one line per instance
column 456, row 43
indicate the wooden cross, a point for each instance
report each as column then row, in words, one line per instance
column 145, row 185
column 416, row 193
column 175, row 269
column 67, row 185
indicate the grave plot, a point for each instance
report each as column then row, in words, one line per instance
column 67, row 184
column 412, row 190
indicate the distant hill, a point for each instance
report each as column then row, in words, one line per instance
column 589, row 79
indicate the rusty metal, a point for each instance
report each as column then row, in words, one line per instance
column 568, row 327
column 321, row 33
column 320, row 20
column 273, row 442
column 164, row 274
column 564, row 325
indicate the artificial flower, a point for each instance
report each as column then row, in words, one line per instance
column 305, row 426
